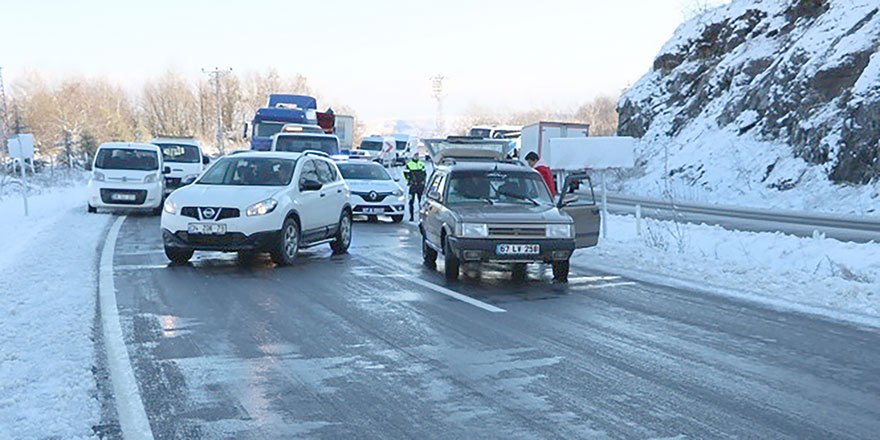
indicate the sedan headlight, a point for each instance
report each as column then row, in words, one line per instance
column 559, row 231
column 98, row 176
column 261, row 208
column 397, row 193
column 474, row 230
column 150, row 178
column 170, row 207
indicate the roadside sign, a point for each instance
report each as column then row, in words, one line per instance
column 21, row 146
column 593, row 153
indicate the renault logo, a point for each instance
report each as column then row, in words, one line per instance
column 373, row 195
column 208, row 213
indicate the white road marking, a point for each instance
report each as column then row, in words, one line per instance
column 132, row 416
column 456, row 295
column 574, row 280
column 140, row 267
column 602, row 286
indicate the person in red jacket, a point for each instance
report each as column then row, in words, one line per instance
column 534, row 162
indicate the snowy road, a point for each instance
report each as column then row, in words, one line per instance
column 372, row 345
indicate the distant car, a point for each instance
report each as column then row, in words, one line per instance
column 127, row 176
column 184, row 157
column 250, row 202
column 482, row 208
column 300, row 138
column 373, row 191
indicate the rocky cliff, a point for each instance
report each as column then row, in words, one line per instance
column 764, row 93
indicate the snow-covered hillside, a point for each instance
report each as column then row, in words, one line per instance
column 772, row 103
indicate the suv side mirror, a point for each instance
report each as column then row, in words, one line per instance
column 310, row 185
column 166, row 170
column 188, row 180
column 434, row 194
column 206, row 160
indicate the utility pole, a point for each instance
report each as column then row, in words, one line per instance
column 215, row 75
column 437, row 92
column 3, row 116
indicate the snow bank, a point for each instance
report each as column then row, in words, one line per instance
column 810, row 274
column 47, row 307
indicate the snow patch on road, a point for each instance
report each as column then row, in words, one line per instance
column 47, row 305
column 815, row 275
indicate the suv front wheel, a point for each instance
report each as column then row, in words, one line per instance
column 288, row 245
column 560, row 270
column 343, row 234
column 178, row 256
column 451, row 263
column 429, row 255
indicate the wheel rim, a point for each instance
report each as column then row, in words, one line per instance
column 291, row 241
column 345, row 229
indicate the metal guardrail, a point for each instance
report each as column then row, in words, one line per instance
column 846, row 228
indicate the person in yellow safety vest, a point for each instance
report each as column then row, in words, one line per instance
column 416, row 175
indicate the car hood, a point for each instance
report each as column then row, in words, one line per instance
column 358, row 185
column 510, row 213
column 232, row 196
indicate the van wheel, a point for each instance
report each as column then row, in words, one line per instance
column 396, row 218
column 452, row 265
column 92, row 209
column 288, row 245
column 560, row 270
column 429, row 255
column 343, row 234
column 178, row 256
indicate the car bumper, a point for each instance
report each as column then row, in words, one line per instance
column 485, row 249
column 391, row 205
column 146, row 195
column 229, row 242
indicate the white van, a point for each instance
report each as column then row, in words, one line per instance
column 127, row 176
column 185, row 158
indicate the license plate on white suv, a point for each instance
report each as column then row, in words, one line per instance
column 518, row 249
column 206, row 228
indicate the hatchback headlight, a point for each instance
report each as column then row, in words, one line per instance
column 261, row 208
column 150, row 178
column 98, row 176
column 474, row 230
column 170, row 207
column 559, row 231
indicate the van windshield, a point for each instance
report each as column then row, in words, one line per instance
column 371, row 145
column 298, row 144
column 126, row 159
column 180, row 153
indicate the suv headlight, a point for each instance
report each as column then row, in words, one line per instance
column 261, row 208
column 150, row 178
column 559, row 231
column 474, row 230
column 98, row 176
column 170, row 207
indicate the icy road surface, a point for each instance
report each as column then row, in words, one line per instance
column 352, row 347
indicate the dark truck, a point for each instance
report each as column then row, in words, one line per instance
column 481, row 208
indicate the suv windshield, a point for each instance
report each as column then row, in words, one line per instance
column 180, row 153
column 249, row 171
column 363, row 171
column 498, row 187
column 126, row 159
column 298, row 144
column 371, row 145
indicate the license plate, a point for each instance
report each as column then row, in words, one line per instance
column 518, row 249
column 206, row 228
column 374, row 210
column 122, row 196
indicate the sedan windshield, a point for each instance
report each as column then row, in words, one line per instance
column 498, row 187
column 298, row 144
column 126, row 159
column 363, row 171
column 262, row 171
column 180, row 153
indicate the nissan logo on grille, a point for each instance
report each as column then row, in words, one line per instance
column 208, row 213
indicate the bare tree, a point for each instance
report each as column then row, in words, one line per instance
column 170, row 106
column 601, row 114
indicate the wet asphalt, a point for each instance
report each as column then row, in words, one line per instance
column 350, row 347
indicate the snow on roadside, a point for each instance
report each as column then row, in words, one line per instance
column 47, row 307
column 816, row 275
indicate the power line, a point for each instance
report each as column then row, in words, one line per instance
column 215, row 75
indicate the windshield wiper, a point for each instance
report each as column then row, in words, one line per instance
column 520, row 197
column 485, row 199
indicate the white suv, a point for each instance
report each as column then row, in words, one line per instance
column 127, row 176
column 251, row 202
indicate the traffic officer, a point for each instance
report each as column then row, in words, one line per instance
column 415, row 174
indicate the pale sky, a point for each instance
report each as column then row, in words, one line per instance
column 376, row 56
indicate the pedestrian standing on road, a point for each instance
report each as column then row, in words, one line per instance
column 535, row 162
column 415, row 174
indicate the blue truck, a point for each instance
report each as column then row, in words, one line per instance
column 286, row 109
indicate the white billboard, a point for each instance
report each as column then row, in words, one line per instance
column 21, row 146
column 591, row 153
